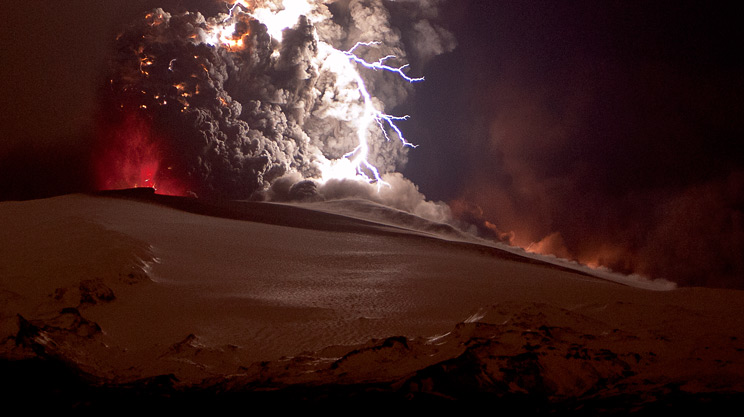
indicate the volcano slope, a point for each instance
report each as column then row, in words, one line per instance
column 140, row 299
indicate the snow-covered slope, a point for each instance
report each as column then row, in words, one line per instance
column 130, row 285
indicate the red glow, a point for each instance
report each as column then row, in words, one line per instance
column 551, row 244
column 131, row 157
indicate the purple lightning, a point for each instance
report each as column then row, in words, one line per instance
column 373, row 114
column 353, row 164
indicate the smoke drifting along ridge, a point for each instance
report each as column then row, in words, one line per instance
column 605, row 133
column 266, row 100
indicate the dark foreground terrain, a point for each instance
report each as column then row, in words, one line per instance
column 137, row 301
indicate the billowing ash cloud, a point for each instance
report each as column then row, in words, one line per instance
column 228, row 113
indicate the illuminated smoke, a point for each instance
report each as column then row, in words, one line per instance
column 292, row 89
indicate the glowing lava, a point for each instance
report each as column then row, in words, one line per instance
column 133, row 159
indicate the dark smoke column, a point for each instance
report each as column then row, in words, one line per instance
column 232, row 103
column 169, row 115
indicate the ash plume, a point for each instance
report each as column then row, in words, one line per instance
column 228, row 112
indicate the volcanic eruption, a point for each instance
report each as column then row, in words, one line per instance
column 227, row 105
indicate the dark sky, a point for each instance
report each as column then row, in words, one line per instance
column 605, row 131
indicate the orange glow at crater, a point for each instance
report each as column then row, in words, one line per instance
column 131, row 156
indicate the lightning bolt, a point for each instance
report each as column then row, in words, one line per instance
column 379, row 116
column 276, row 21
column 371, row 114
column 379, row 64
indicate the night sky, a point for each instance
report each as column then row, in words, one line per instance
column 603, row 131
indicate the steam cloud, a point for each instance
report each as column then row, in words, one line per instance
column 258, row 120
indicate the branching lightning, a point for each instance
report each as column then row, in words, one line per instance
column 359, row 155
column 355, row 164
column 238, row 110
column 380, row 64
